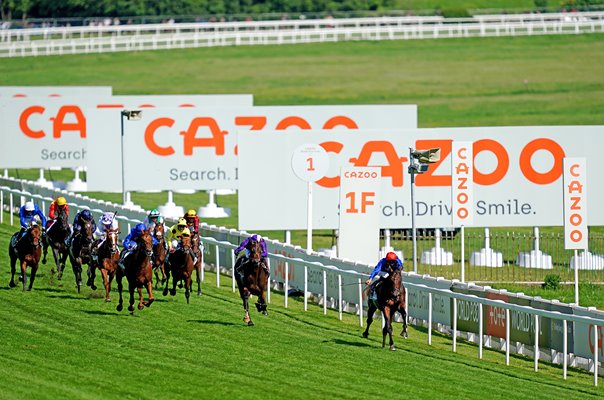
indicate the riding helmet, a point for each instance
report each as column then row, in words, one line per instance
column 391, row 256
column 86, row 214
column 154, row 213
column 61, row 201
column 29, row 206
column 106, row 219
column 191, row 213
column 182, row 222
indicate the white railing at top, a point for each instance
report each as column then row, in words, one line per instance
column 360, row 277
column 97, row 39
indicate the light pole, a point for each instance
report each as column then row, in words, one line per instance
column 133, row 115
column 419, row 163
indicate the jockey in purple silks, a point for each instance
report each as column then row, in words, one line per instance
column 243, row 246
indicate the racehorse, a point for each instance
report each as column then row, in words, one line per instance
column 198, row 250
column 55, row 237
column 29, row 248
column 159, row 253
column 181, row 266
column 139, row 272
column 253, row 279
column 108, row 257
column 80, row 253
column 390, row 299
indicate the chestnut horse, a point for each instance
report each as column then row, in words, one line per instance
column 390, row 299
column 181, row 266
column 29, row 248
column 80, row 252
column 253, row 280
column 139, row 273
column 108, row 256
column 55, row 238
column 159, row 254
column 197, row 248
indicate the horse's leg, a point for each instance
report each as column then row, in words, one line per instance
column 149, row 286
column 166, row 283
column 198, row 277
column 34, row 270
column 187, row 288
column 247, row 318
column 131, row 291
column 106, row 283
column 120, row 287
column 141, row 303
column 404, row 316
column 13, row 262
column 44, row 248
column 262, row 302
column 23, row 274
column 370, row 312
column 175, row 280
column 387, row 329
column 91, row 273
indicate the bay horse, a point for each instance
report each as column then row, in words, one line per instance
column 80, row 252
column 390, row 299
column 55, row 237
column 182, row 262
column 139, row 273
column 253, row 280
column 29, row 248
column 159, row 253
column 108, row 257
column 198, row 250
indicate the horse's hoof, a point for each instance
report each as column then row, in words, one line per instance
column 44, row 261
column 264, row 312
column 365, row 335
column 404, row 334
column 141, row 307
column 250, row 323
column 119, row 307
column 148, row 303
column 108, row 300
column 20, row 278
column 172, row 292
column 12, row 284
column 131, row 309
column 29, row 289
column 165, row 292
column 180, row 285
column 93, row 287
column 199, row 293
column 392, row 348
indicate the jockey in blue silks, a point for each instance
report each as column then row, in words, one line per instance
column 243, row 246
column 27, row 216
column 381, row 270
column 130, row 243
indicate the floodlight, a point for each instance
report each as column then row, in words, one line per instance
column 133, row 115
column 426, row 156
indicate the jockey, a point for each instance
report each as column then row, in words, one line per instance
column 152, row 219
column 28, row 214
column 381, row 271
column 106, row 223
column 246, row 254
column 176, row 232
column 81, row 219
column 59, row 203
column 192, row 221
column 130, row 243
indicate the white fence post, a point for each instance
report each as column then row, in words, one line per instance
column 507, row 336
column 564, row 348
column 480, row 330
column 305, row 287
column 233, row 271
column 268, row 289
column 360, row 303
column 430, row 318
column 1, row 206
column 11, row 204
column 536, row 342
column 324, row 292
column 340, row 296
column 454, row 325
column 217, row 266
column 596, row 348
column 286, row 285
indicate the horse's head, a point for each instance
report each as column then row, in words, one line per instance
column 255, row 250
column 35, row 235
column 145, row 242
column 112, row 240
column 394, row 277
column 62, row 217
column 87, row 231
column 186, row 242
column 158, row 230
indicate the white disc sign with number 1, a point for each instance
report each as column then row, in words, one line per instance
column 310, row 162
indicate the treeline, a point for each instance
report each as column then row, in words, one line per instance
column 21, row 9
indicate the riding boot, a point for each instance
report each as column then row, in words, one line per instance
column 121, row 262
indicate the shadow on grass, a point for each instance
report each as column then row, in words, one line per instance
column 67, row 297
column 347, row 343
column 98, row 312
column 211, row 322
column 50, row 290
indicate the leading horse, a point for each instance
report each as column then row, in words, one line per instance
column 29, row 249
column 55, row 237
column 182, row 262
column 80, row 252
column 159, row 253
column 139, row 272
column 253, row 279
column 197, row 248
column 390, row 299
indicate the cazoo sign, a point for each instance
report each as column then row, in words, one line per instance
column 517, row 175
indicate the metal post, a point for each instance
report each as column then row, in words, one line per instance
column 454, row 325
column 576, row 277
column 507, row 336
column 564, row 348
column 324, row 292
column 309, row 220
column 596, row 355
column 122, row 150
column 305, row 287
column 536, row 342
column 360, row 303
column 217, row 266
column 463, row 254
column 233, row 271
column 413, row 232
column 340, row 297
column 11, row 204
column 286, row 285
column 480, row 331
column 430, row 318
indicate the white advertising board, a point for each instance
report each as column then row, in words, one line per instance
column 462, row 183
column 359, row 229
column 174, row 149
column 517, row 175
column 46, row 132
column 7, row 92
column 575, row 203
